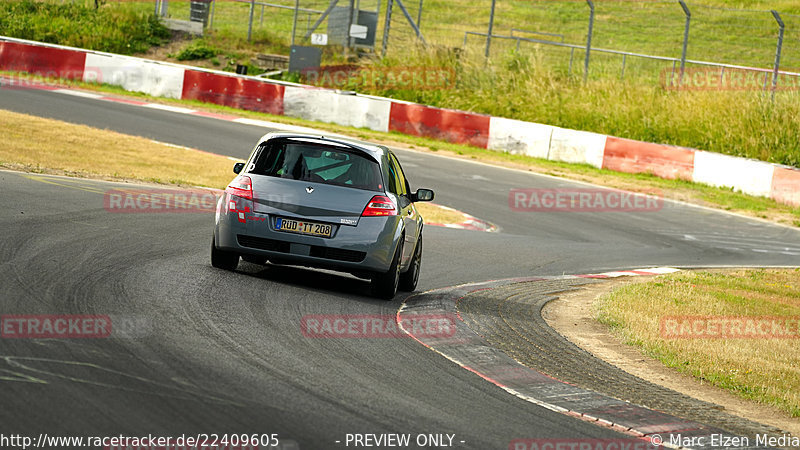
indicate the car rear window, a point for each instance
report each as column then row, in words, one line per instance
column 319, row 163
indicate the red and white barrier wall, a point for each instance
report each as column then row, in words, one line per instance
column 383, row 114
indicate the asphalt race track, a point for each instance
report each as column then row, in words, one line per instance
column 216, row 352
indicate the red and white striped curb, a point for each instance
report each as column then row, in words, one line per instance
column 471, row 352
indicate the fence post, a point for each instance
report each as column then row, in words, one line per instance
column 419, row 15
column 250, row 25
column 387, row 25
column 777, row 52
column 211, row 17
column 351, row 12
column 491, row 25
column 685, row 39
column 294, row 19
column 588, row 41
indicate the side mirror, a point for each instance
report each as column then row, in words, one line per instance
column 237, row 168
column 422, row 195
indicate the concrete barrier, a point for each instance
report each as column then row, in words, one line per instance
column 744, row 175
column 448, row 125
column 518, row 137
column 46, row 61
column 625, row 155
column 330, row 106
column 135, row 75
column 786, row 186
column 577, row 147
column 383, row 114
column 233, row 91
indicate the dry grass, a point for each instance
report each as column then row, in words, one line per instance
column 434, row 213
column 35, row 144
column 39, row 145
column 765, row 370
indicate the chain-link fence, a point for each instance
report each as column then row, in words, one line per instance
column 655, row 40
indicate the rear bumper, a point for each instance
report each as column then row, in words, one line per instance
column 369, row 246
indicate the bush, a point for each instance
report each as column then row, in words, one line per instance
column 123, row 28
column 197, row 50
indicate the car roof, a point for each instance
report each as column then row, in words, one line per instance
column 373, row 150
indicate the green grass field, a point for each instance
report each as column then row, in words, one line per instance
column 534, row 83
column 762, row 369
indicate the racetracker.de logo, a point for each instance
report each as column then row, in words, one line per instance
column 582, row 444
column 408, row 78
column 582, row 200
column 730, row 327
column 344, row 326
column 160, row 200
column 727, row 79
column 44, row 78
column 51, row 326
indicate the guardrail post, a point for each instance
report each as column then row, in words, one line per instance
column 781, row 28
column 491, row 25
column 588, row 41
column 685, row 39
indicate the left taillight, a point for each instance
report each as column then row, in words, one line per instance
column 242, row 187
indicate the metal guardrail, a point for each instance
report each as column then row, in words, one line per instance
column 625, row 55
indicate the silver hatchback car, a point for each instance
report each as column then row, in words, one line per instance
column 321, row 202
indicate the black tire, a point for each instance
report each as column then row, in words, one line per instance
column 408, row 280
column 222, row 259
column 384, row 285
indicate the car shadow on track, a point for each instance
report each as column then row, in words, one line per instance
column 331, row 283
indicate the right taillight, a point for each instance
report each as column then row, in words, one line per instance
column 380, row 205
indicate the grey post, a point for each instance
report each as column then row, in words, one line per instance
column 588, row 41
column 164, row 8
column 685, row 39
column 250, row 26
column 419, row 14
column 491, row 25
column 294, row 20
column 350, row 19
column 387, row 25
column 777, row 52
column 156, row 13
column 211, row 17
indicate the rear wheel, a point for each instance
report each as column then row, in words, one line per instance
column 222, row 259
column 384, row 285
column 408, row 280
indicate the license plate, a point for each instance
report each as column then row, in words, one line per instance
column 304, row 227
